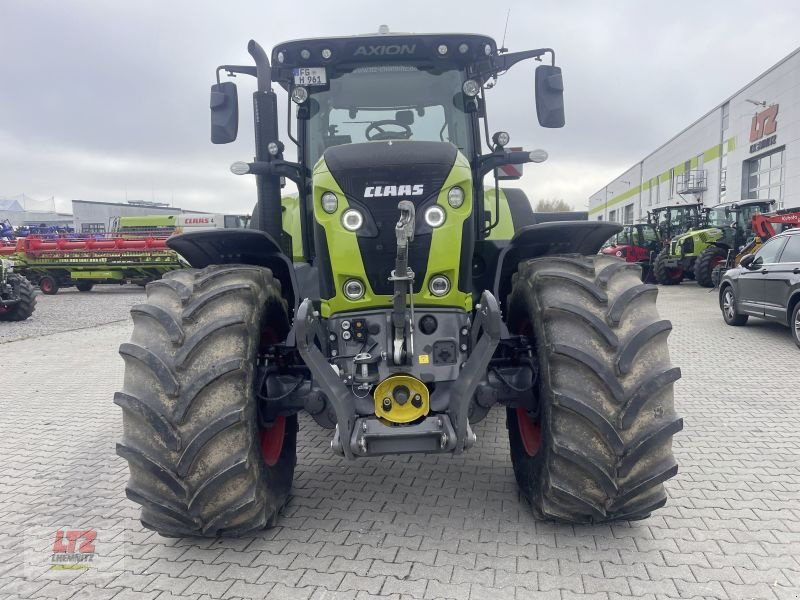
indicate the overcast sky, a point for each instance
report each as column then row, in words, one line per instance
column 108, row 100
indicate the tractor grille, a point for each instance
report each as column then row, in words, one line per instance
column 357, row 167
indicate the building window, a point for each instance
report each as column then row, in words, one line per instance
column 93, row 227
column 764, row 177
column 628, row 216
column 612, row 216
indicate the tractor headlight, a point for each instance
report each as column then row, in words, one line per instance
column 353, row 289
column 439, row 285
column 352, row 220
column 471, row 88
column 435, row 216
column 299, row 94
column 455, row 197
column 329, row 202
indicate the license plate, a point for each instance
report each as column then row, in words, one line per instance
column 310, row 76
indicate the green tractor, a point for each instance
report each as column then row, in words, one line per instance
column 393, row 300
column 677, row 258
column 730, row 229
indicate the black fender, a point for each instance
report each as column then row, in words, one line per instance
column 722, row 245
column 544, row 239
column 238, row 246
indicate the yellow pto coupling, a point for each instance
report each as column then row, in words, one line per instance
column 401, row 399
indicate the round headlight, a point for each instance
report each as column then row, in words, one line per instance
column 326, row 53
column 442, row 49
column 455, row 197
column 353, row 289
column 299, row 94
column 305, row 53
column 434, row 216
column 329, row 202
column 273, row 148
column 240, row 168
column 439, row 285
column 487, row 49
column 281, row 57
column 471, row 88
column 501, row 138
column 352, row 220
column 463, row 48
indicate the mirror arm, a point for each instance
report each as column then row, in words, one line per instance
column 504, row 62
column 233, row 69
column 489, row 162
column 280, row 168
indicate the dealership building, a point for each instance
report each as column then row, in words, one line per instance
column 746, row 147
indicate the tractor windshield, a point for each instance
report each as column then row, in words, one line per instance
column 389, row 102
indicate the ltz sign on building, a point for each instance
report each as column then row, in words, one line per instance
column 762, row 129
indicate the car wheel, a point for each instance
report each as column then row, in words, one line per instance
column 727, row 303
column 794, row 323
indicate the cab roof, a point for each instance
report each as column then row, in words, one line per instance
column 459, row 49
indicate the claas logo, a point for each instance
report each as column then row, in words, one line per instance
column 197, row 221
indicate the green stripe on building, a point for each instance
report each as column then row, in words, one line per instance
column 708, row 155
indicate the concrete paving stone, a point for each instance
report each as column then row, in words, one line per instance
column 371, row 585
column 344, row 565
column 329, row 581
column 408, row 587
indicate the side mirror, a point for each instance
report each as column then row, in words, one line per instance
column 549, row 96
column 224, row 112
column 747, row 261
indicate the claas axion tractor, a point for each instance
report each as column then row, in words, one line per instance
column 394, row 300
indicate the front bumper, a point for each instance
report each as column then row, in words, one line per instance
column 446, row 429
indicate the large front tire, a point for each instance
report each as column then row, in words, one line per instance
column 666, row 275
column 23, row 290
column 190, row 429
column 710, row 258
column 597, row 446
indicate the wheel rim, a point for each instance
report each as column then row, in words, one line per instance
column 272, row 441
column 728, row 305
column 716, row 261
column 675, row 274
column 46, row 285
column 797, row 325
column 530, row 431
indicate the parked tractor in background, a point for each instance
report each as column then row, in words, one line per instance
column 676, row 260
column 637, row 243
column 394, row 301
column 729, row 230
column 17, row 301
column 761, row 227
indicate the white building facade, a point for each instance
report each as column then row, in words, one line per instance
column 747, row 147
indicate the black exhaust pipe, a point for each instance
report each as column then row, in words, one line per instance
column 265, row 111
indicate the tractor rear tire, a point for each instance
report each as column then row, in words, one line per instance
column 199, row 463
column 27, row 300
column 709, row 259
column 84, row 286
column 597, row 446
column 665, row 275
column 48, row 285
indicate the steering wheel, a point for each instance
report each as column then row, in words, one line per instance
column 380, row 134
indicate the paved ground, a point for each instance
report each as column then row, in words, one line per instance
column 420, row 527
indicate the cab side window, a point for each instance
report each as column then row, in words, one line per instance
column 769, row 251
column 791, row 253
